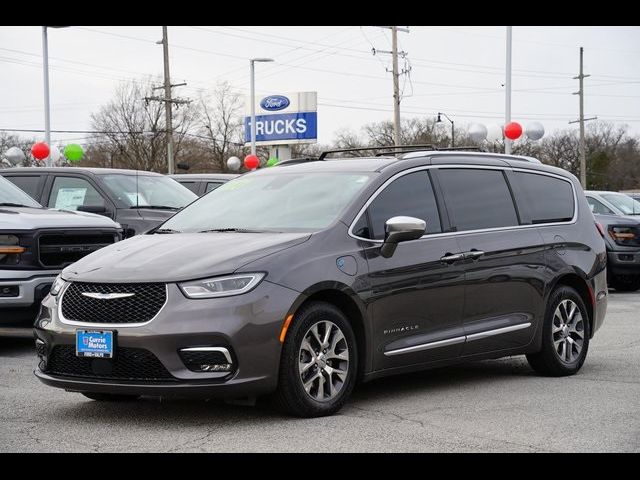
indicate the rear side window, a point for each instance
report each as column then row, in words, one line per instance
column 410, row 195
column 28, row 184
column 599, row 207
column 548, row 199
column 477, row 199
column 212, row 186
column 191, row 186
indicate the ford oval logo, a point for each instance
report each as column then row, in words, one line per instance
column 274, row 102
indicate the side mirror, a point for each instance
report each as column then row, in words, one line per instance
column 99, row 209
column 401, row 229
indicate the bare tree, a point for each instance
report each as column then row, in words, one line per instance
column 132, row 131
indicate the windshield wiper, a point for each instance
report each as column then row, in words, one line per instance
column 9, row 204
column 167, row 230
column 156, row 207
column 240, row 230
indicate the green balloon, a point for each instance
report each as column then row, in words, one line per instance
column 272, row 161
column 73, row 152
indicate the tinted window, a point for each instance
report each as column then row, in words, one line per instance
column 548, row 199
column 411, row 196
column 212, row 186
column 69, row 193
column 597, row 207
column 478, row 198
column 27, row 184
column 190, row 185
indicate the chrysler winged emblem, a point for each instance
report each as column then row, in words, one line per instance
column 107, row 296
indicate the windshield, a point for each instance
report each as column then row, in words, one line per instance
column 152, row 191
column 10, row 194
column 624, row 203
column 275, row 202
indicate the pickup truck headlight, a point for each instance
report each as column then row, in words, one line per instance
column 10, row 250
column 57, row 285
column 221, row 286
column 623, row 235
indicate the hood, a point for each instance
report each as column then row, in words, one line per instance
column 27, row 218
column 178, row 257
column 617, row 219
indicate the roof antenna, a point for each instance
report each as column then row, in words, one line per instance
column 137, row 194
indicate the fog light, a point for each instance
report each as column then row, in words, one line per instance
column 220, row 367
column 41, row 351
column 9, row 291
column 207, row 359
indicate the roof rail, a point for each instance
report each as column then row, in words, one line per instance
column 293, row 161
column 403, row 148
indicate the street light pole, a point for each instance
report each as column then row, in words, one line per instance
column 252, row 73
column 45, row 72
column 45, row 69
column 438, row 120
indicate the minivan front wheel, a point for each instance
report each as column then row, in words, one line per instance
column 565, row 335
column 319, row 362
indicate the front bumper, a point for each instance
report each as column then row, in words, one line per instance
column 32, row 286
column 623, row 262
column 247, row 325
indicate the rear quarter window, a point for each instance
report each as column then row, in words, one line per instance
column 546, row 199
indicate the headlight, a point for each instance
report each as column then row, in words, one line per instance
column 10, row 250
column 624, row 235
column 57, row 285
column 221, row 286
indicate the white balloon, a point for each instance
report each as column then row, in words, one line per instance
column 494, row 132
column 234, row 164
column 14, row 156
column 54, row 154
column 477, row 132
column 534, row 131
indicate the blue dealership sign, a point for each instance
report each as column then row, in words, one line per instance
column 283, row 127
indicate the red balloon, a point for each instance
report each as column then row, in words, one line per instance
column 512, row 130
column 251, row 162
column 40, row 150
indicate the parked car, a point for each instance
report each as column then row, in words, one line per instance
column 619, row 215
column 35, row 245
column 137, row 200
column 302, row 279
column 634, row 195
column 201, row 183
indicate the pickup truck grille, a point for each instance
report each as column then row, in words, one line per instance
column 59, row 250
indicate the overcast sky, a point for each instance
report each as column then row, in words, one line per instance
column 456, row 70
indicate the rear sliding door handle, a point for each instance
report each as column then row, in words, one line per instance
column 452, row 257
column 473, row 254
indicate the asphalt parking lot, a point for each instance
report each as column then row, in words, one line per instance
column 498, row 405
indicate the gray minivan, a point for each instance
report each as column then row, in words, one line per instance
column 299, row 281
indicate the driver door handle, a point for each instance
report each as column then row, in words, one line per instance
column 452, row 257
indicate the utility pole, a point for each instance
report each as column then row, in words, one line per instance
column 396, row 78
column 581, row 120
column 168, row 101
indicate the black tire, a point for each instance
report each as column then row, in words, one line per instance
column 626, row 283
column 291, row 396
column 110, row 397
column 547, row 361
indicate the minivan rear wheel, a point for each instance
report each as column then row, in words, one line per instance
column 319, row 362
column 110, row 397
column 565, row 335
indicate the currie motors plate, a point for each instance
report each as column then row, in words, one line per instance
column 94, row 344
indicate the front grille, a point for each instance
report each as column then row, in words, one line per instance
column 127, row 364
column 57, row 250
column 142, row 306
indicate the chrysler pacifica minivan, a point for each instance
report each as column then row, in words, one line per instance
column 301, row 280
